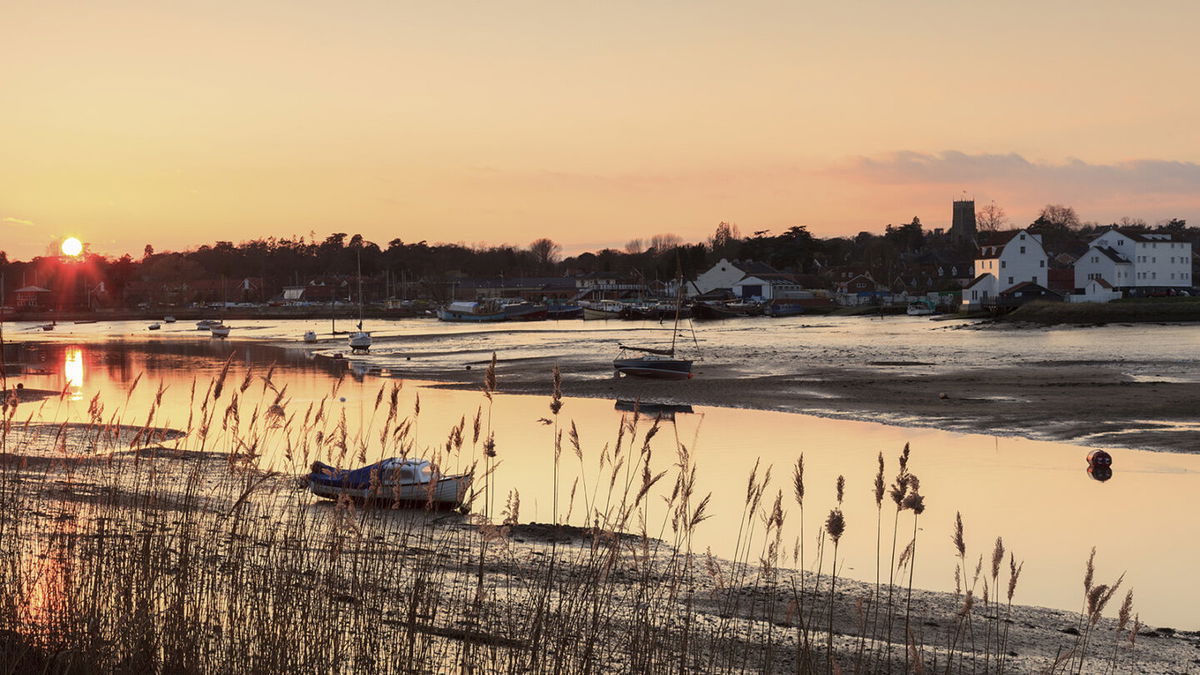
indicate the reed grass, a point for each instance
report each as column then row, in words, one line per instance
column 130, row 548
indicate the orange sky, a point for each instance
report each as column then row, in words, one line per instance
column 179, row 123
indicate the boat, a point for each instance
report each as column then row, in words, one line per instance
column 205, row 324
column 394, row 479
column 603, row 310
column 360, row 340
column 781, row 309
column 168, row 319
column 47, row 326
column 472, row 312
column 656, row 363
column 919, row 308
column 525, row 311
column 154, row 326
column 310, row 336
column 710, row 311
column 557, row 312
column 219, row 331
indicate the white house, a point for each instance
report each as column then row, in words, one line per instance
column 725, row 274
column 768, row 287
column 1096, row 290
column 1128, row 259
column 1004, row 260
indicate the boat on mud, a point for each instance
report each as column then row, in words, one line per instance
column 603, row 310
column 395, row 479
column 472, row 312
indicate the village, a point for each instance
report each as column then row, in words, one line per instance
column 965, row 268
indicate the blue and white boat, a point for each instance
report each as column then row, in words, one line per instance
column 395, row 479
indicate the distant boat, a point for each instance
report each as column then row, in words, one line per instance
column 919, row 308
column 525, row 311
column 707, row 311
column 219, row 331
column 472, row 312
column 603, row 310
column 393, row 479
column 154, row 326
column 360, row 340
column 784, row 308
column 47, row 326
column 168, row 319
column 557, row 312
column 310, row 336
column 206, row 324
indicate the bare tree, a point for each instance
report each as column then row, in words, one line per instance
column 724, row 236
column 665, row 242
column 635, row 246
column 545, row 251
column 1062, row 216
column 990, row 218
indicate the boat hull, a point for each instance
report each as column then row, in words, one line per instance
column 661, row 369
column 465, row 317
column 447, row 491
column 592, row 314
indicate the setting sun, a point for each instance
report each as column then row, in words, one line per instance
column 72, row 247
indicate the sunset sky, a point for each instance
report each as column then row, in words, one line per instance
column 181, row 122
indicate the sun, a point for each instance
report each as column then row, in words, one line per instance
column 72, row 247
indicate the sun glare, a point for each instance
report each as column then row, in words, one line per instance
column 72, row 247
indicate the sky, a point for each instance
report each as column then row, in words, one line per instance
column 183, row 122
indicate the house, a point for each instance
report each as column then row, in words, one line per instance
column 1096, row 290
column 31, row 297
column 767, row 287
column 1136, row 260
column 725, row 274
column 1026, row 291
column 1004, row 260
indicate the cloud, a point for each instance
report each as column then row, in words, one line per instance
column 8, row 220
column 1014, row 172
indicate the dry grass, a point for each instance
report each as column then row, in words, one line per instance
column 142, row 550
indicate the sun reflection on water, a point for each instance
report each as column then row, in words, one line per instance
column 73, row 370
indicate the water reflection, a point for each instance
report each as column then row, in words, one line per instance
column 1100, row 473
column 73, row 370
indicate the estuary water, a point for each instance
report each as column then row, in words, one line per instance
column 1038, row 496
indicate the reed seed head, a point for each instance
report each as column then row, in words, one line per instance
column 841, row 488
column 960, row 544
column 835, row 524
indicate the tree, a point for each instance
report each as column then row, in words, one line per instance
column 1059, row 216
column 661, row 243
column 635, row 247
column 724, row 237
column 545, row 251
column 147, row 252
column 990, row 218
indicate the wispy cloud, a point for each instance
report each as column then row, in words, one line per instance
column 953, row 168
column 9, row 220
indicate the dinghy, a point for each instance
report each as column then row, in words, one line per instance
column 395, row 479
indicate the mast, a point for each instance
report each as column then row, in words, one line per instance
column 360, row 296
column 678, row 308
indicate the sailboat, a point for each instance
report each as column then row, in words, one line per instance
column 656, row 363
column 360, row 341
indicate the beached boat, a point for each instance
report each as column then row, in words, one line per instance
column 394, row 479
column 653, row 362
column 168, row 319
column 781, row 309
column 360, row 340
column 310, row 336
column 154, row 326
column 525, row 311
column 557, row 312
column 603, row 310
column 219, row 331
column 710, row 311
column 919, row 308
column 472, row 312
column 206, row 324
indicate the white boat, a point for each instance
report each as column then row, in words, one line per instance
column 605, row 309
column 154, row 326
column 653, row 362
column 396, row 479
column 219, row 331
column 360, row 341
column 310, row 336
column 168, row 319
column 206, row 324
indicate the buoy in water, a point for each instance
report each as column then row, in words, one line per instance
column 1099, row 458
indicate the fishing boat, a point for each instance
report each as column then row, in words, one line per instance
column 310, row 336
column 711, row 311
column 394, row 479
column 781, row 309
column 654, row 362
column 472, row 312
column 557, row 312
column 219, row 331
column 360, row 340
column 525, row 311
column 168, row 319
column 602, row 310
column 154, row 326
column 206, row 324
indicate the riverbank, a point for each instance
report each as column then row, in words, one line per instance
column 318, row 587
column 1181, row 309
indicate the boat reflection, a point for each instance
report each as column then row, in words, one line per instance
column 652, row 409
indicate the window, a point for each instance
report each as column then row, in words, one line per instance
column 1041, row 263
column 1003, row 264
column 1120, row 242
column 1154, row 275
column 1022, row 239
column 1010, row 281
column 1022, row 248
